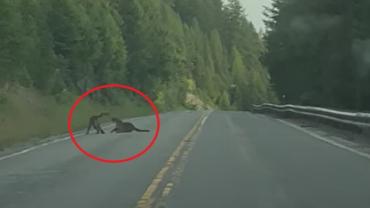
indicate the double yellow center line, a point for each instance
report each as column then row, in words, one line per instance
column 148, row 199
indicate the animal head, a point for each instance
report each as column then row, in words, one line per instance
column 103, row 114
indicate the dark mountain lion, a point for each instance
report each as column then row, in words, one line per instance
column 125, row 127
column 94, row 123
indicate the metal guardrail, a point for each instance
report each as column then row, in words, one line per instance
column 353, row 121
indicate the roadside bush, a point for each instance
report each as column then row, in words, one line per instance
column 3, row 99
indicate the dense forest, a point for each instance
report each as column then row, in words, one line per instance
column 319, row 52
column 166, row 48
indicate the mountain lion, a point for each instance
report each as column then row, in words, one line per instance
column 125, row 127
column 94, row 123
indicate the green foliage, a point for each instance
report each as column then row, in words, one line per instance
column 224, row 100
column 318, row 52
column 41, row 116
column 3, row 99
column 166, row 48
column 209, row 13
column 11, row 41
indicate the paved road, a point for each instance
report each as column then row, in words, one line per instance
column 58, row 176
column 236, row 159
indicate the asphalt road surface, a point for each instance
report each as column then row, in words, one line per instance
column 201, row 160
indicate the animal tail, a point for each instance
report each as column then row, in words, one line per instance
column 141, row 130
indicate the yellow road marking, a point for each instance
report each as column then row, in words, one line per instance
column 146, row 201
column 167, row 189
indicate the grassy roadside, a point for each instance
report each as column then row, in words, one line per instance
column 26, row 114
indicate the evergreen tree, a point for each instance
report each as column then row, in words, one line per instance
column 11, row 37
column 167, row 48
column 314, row 53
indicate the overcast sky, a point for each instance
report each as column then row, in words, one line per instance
column 254, row 10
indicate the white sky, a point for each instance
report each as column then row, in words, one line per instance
column 254, row 10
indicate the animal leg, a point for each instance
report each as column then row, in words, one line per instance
column 96, row 129
column 99, row 128
column 88, row 129
column 102, row 131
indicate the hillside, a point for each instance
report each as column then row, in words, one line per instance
column 169, row 49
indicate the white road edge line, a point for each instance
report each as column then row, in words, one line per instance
column 326, row 140
column 42, row 145
column 204, row 120
column 36, row 147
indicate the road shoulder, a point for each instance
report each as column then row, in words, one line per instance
column 356, row 143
